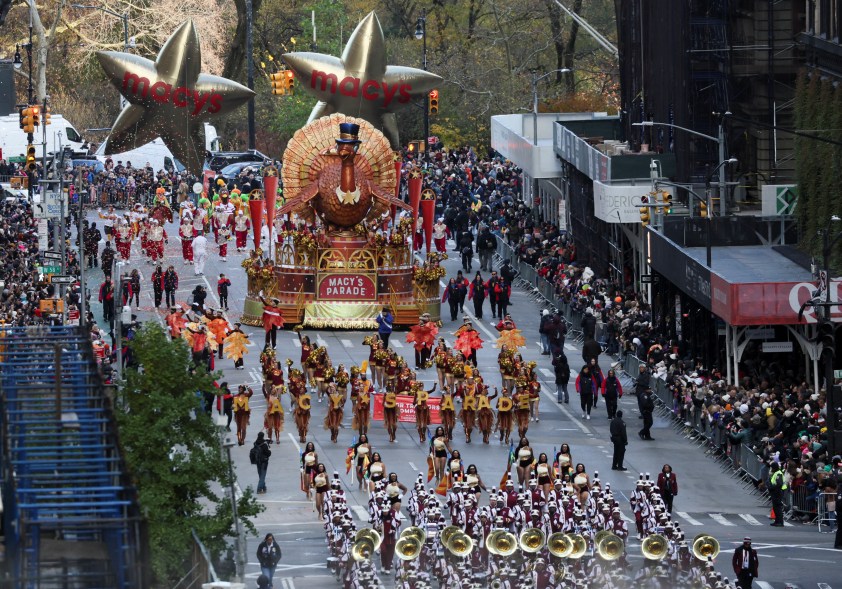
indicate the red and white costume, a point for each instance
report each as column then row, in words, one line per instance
column 241, row 230
column 156, row 236
column 185, row 232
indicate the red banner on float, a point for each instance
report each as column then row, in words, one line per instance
column 347, row 287
column 428, row 210
column 270, row 193
column 407, row 408
column 415, row 181
column 256, row 212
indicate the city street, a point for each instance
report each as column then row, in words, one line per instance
column 710, row 500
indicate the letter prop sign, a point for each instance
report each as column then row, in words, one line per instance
column 168, row 98
column 360, row 84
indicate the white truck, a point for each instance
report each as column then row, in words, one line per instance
column 60, row 134
column 157, row 153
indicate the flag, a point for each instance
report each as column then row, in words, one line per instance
column 509, row 463
column 304, row 488
column 349, row 457
column 555, row 463
column 444, row 485
column 431, row 469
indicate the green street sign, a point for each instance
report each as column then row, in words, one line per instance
column 50, row 269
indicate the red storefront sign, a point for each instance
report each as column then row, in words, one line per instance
column 768, row 303
column 407, row 408
column 347, row 287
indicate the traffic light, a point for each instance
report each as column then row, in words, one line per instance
column 644, row 216
column 31, row 163
column 666, row 198
column 278, row 83
column 703, row 209
column 20, row 113
column 47, row 116
column 28, row 120
column 827, row 336
column 434, row 102
column 290, row 80
column 36, row 116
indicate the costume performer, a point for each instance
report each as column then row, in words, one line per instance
column 273, row 421
column 272, row 320
column 242, row 412
column 335, row 412
column 185, row 232
column 422, row 336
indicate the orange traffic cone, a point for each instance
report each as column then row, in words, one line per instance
column 772, row 513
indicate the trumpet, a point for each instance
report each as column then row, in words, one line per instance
column 560, row 545
column 415, row 532
column 408, row 547
column 532, row 540
column 501, row 543
column 654, row 547
column 705, row 547
column 580, row 546
column 460, row 544
column 610, row 547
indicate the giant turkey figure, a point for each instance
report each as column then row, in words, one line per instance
column 343, row 184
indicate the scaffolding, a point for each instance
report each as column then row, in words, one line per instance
column 70, row 516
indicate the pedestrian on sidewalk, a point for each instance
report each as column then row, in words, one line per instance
column 222, row 290
column 586, row 387
column 268, row 555
column 668, row 485
column 259, row 456
column 562, row 377
column 746, row 564
column 647, row 407
column 543, row 331
column 620, row 440
column 612, row 390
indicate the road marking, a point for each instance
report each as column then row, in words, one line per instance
column 320, row 341
column 360, row 512
column 294, row 442
column 413, row 467
column 548, row 373
column 686, row 517
column 763, row 584
column 750, row 519
column 569, row 347
column 720, row 519
column 347, row 343
column 395, row 343
column 296, row 343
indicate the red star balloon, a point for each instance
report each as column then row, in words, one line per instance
column 360, row 84
column 168, row 98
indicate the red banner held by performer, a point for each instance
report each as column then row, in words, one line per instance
column 407, row 408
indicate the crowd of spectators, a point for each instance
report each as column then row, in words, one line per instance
column 771, row 411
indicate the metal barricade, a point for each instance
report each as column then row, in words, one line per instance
column 827, row 512
column 805, row 503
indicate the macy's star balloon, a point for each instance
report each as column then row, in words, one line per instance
column 360, row 84
column 168, row 98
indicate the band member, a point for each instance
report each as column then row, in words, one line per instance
column 469, row 407
column 505, row 408
column 362, row 408
column 422, row 409
column 302, row 416
column 439, row 448
column 273, row 421
column 447, row 410
column 185, row 232
column 391, row 525
column 306, row 350
column 394, row 492
column 391, row 414
column 362, row 457
column 525, row 458
column 242, row 412
column 441, row 357
column 376, row 471
column 440, row 232
column 485, row 415
column 309, row 460
column 272, row 320
column 321, row 484
column 335, row 412
column 241, row 230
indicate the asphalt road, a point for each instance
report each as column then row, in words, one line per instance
column 709, row 499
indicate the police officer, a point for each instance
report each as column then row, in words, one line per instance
column 777, row 487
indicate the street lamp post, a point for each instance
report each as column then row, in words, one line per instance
column 719, row 139
column 250, row 70
column 240, row 559
column 535, row 80
column 421, row 35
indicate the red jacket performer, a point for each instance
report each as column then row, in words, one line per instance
column 745, row 563
column 185, row 232
column 241, row 230
column 272, row 320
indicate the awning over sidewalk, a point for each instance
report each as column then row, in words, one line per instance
column 749, row 285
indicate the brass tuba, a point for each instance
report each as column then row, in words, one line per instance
column 601, row 535
column 496, row 584
column 415, row 532
column 560, row 545
column 532, row 540
column 446, row 533
column 408, row 548
column 580, row 546
column 460, row 544
column 705, row 547
column 654, row 547
column 610, row 547
column 501, row 543
column 366, row 541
